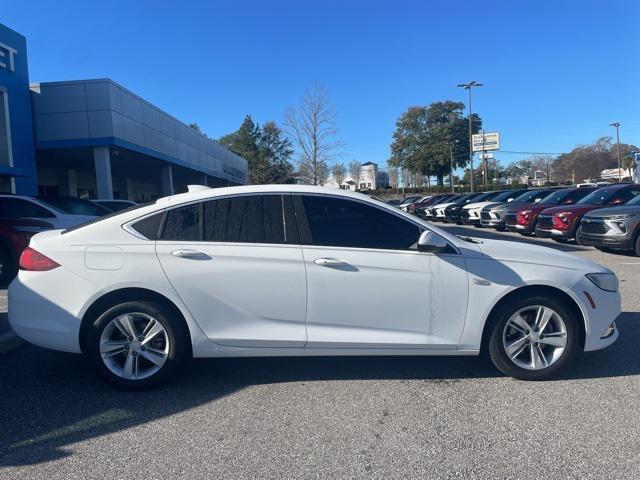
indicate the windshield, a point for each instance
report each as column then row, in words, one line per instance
column 530, row 197
column 75, row 206
column 556, row 197
column 504, row 196
column 599, row 197
column 635, row 201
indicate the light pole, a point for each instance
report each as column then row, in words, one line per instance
column 617, row 125
column 469, row 86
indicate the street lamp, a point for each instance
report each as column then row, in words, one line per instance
column 617, row 125
column 469, row 86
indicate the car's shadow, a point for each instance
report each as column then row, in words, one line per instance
column 51, row 400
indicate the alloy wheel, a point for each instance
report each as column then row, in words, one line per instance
column 535, row 337
column 134, row 346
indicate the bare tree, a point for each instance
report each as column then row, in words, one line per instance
column 394, row 175
column 354, row 172
column 312, row 126
column 339, row 173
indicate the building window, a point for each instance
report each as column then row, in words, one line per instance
column 5, row 132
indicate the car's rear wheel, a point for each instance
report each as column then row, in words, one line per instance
column 534, row 338
column 637, row 246
column 137, row 345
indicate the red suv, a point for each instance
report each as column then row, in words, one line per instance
column 524, row 219
column 15, row 234
column 563, row 223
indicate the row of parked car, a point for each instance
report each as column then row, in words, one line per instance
column 21, row 217
column 607, row 218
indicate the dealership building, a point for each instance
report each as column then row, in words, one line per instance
column 96, row 139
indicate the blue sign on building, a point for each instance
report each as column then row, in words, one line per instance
column 17, row 150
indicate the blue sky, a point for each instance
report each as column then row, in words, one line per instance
column 556, row 72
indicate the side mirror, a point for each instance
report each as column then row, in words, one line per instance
column 431, row 242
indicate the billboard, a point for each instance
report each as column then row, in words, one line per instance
column 486, row 141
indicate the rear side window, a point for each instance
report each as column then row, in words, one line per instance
column 337, row 222
column 625, row 195
column 183, row 223
column 148, row 227
column 19, row 208
column 242, row 219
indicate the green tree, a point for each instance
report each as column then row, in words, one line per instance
column 266, row 150
column 424, row 137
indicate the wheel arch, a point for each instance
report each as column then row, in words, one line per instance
column 528, row 291
column 109, row 299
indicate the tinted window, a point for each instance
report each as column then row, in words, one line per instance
column 183, row 223
column 19, row 208
column 244, row 219
column 338, row 222
column 115, row 206
column 148, row 227
column 607, row 195
column 532, row 196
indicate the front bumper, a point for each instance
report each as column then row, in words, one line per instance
column 600, row 329
column 553, row 233
column 619, row 242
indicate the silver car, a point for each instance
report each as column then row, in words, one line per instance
column 616, row 228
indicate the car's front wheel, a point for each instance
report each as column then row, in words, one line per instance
column 534, row 338
column 136, row 345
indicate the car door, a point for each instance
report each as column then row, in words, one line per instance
column 237, row 269
column 368, row 286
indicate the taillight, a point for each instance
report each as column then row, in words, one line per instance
column 34, row 261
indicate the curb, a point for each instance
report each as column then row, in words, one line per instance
column 9, row 341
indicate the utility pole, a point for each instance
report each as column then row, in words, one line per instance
column 617, row 125
column 469, row 86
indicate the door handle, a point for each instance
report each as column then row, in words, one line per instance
column 193, row 254
column 329, row 262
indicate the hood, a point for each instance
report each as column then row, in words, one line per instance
column 575, row 209
column 532, row 207
column 623, row 210
column 511, row 251
column 473, row 206
column 443, row 205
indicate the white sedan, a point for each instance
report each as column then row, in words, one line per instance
column 294, row 270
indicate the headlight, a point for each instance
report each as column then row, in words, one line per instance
column 617, row 217
column 604, row 281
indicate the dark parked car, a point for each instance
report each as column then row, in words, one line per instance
column 115, row 205
column 452, row 214
column 616, row 228
column 563, row 223
column 525, row 218
column 494, row 215
column 15, row 234
column 75, row 206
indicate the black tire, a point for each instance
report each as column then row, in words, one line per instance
column 578, row 236
column 500, row 228
column 497, row 351
column 636, row 250
column 177, row 337
column 8, row 267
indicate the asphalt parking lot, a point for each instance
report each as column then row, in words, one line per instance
column 332, row 417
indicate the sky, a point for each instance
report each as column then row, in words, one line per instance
column 556, row 73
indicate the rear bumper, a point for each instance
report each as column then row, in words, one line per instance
column 45, row 308
column 611, row 241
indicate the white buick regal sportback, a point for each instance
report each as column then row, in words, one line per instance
column 294, row 270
